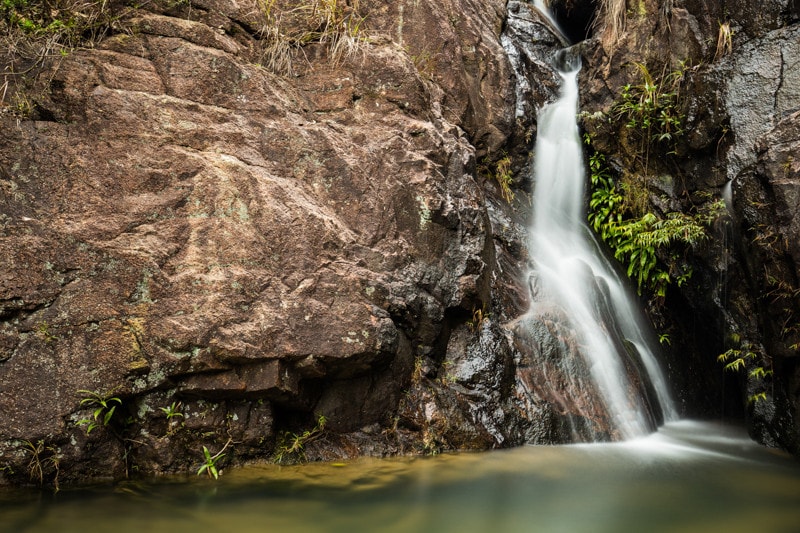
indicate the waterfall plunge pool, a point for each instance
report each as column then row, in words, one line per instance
column 689, row 476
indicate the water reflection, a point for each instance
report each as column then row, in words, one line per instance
column 688, row 477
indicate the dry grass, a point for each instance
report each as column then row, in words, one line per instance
column 724, row 40
column 289, row 25
column 613, row 18
column 36, row 29
column 32, row 31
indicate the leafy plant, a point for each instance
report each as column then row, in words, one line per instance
column 210, row 464
column 104, row 406
column 744, row 359
column 637, row 241
column 292, row 445
column 171, row 411
column 736, row 358
column 650, row 109
column 42, row 457
column 43, row 329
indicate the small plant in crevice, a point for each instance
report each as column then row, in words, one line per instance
column 432, row 442
column 424, row 62
column 43, row 329
column 446, row 377
column 501, row 173
column 724, row 40
column 419, row 369
column 479, row 316
column 171, row 411
column 210, row 461
column 291, row 446
column 173, row 415
column 504, row 178
column 43, row 458
column 103, row 405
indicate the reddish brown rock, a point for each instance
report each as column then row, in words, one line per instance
column 182, row 227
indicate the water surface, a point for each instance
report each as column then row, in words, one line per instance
column 689, row 476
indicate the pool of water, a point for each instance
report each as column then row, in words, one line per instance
column 690, row 476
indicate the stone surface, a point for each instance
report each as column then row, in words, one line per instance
column 180, row 224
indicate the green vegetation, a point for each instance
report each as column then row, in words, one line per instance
column 209, row 465
column 650, row 110
column 104, row 406
column 479, row 315
column 171, row 411
column 44, row 331
column 638, row 240
column 746, row 358
column 501, row 173
column 648, row 120
column 287, row 28
column 43, row 458
column 503, row 176
column 31, row 31
column 291, row 446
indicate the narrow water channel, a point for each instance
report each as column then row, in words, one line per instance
column 689, row 476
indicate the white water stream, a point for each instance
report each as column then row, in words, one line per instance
column 573, row 272
column 544, row 8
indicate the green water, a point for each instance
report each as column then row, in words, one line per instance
column 688, row 477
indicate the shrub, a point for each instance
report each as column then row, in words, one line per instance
column 636, row 241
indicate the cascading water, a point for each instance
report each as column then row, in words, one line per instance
column 544, row 9
column 572, row 273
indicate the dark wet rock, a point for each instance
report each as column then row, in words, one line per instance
column 738, row 106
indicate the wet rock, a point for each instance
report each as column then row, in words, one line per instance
column 738, row 105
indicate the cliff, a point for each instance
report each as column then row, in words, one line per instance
column 214, row 233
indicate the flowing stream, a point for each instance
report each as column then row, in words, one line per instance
column 573, row 273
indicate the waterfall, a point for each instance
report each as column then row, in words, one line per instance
column 572, row 273
column 727, row 196
column 543, row 8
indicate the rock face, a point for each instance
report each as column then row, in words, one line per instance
column 182, row 225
